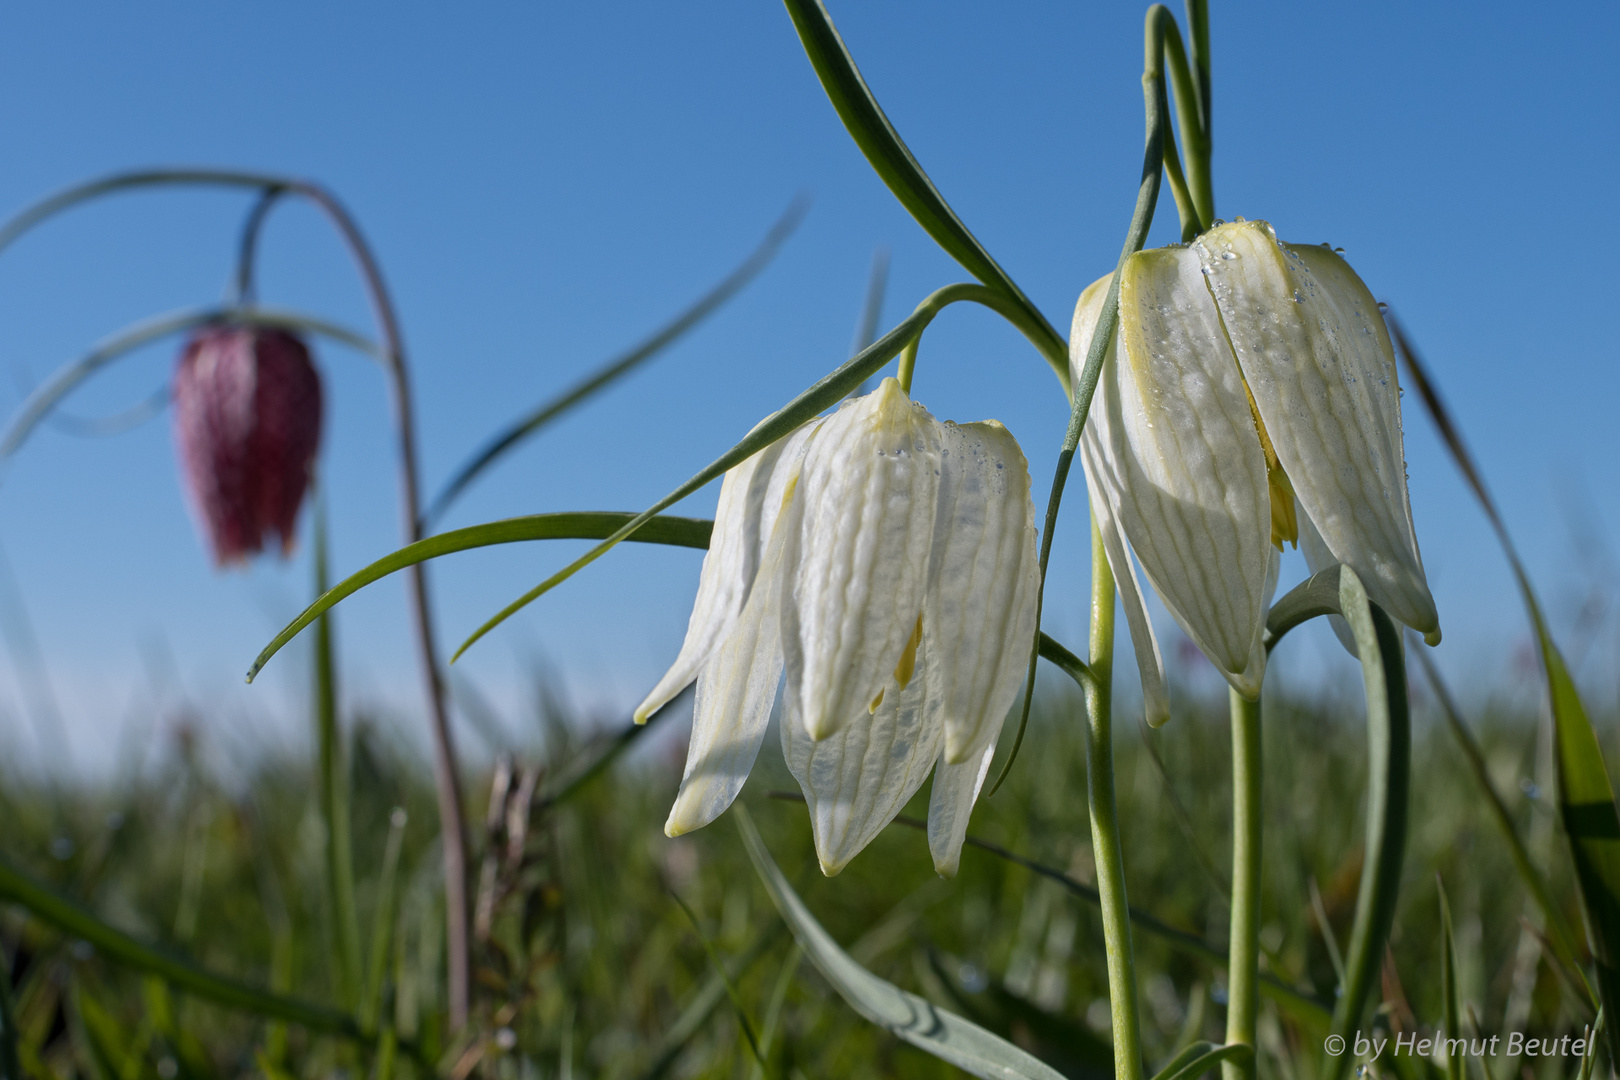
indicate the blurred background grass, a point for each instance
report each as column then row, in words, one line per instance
column 587, row 966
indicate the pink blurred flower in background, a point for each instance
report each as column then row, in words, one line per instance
column 247, row 425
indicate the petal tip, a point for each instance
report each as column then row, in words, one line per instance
column 1432, row 638
column 947, row 868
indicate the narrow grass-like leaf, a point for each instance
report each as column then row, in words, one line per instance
column 331, row 766
column 1200, row 1057
column 39, row 403
column 824, row 393
column 1296, row 1003
column 383, row 920
column 682, row 532
column 702, row 1004
column 622, row 365
column 1389, row 749
column 942, row 1034
column 10, row 1067
column 1450, row 999
column 737, row 1004
column 1585, row 797
column 51, row 907
column 1535, row 883
column 888, row 154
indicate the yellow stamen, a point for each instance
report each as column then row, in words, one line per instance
column 1284, row 525
column 907, row 667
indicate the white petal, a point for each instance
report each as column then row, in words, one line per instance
column 979, row 619
column 950, row 803
column 1177, row 457
column 1317, row 559
column 732, row 708
column 857, row 564
column 1318, row 358
column 750, row 498
column 1149, row 661
column 858, row 779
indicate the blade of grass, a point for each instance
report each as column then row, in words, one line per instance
column 1201, row 1057
column 1586, row 803
column 51, row 907
column 383, row 921
column 1389, row 751
column 1557, row 929
column 702, row 1004
column 682, row 532
column 889, row 156
column 943, row 1034
column 719, row 967
column 1449, row 996
column 334, row 786
column 622, row 365
column 10, row 1067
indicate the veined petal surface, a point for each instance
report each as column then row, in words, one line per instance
column 1177, row 456
column 750, row 499
column 979, row 618
column 732, row 708
column 856, row 780
column 1318, row 358
column 950, row 802
column 857, row 557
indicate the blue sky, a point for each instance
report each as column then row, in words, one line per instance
column 546, row 184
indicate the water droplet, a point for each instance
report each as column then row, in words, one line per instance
column 1382, row 306
column 1338, row 251
column 1229, row 255
column 1217, row 223
column 1239, row 218
column 1298, row 299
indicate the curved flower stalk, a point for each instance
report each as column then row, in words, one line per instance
column 884, row 563
column 1249, row 398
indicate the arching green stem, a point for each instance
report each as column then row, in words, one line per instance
column 940, row 299
column 1243, row 949
column 447, row 780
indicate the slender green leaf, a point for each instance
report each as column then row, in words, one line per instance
column 683, row 532
column 824, row 393
column 1535, row 883
column 737, row 1004
column 1585, row 797
column 51, row 907
column 702, row 1004
column 887, row 153
column 384, row 920
column 331, row 766
column 1389, row 751
column 1200, row 1057
column 10, row 1067
column 622, row 365
column 1449, row 997
column 942, row 1034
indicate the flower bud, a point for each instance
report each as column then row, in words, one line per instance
column 247, row 424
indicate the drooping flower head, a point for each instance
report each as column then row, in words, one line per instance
column 247, row 424
column 1248, row 399
column 880, row 566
